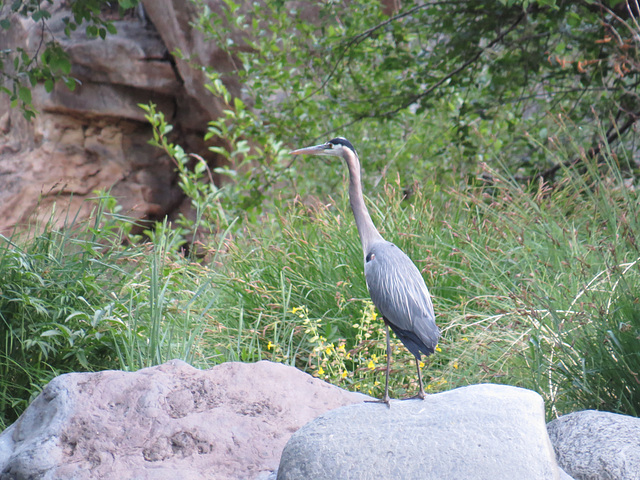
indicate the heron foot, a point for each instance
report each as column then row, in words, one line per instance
column 418, row 396
column 386, row 401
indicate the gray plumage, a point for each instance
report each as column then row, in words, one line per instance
column 398, row 290
column 395, row 284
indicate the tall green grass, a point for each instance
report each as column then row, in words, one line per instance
column 532, row 285
column 80, row 297
column 49, row 280
column 563, row 263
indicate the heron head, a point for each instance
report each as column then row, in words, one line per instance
column 335, row 148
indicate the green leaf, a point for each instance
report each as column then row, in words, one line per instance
column 24, row 94
column 70, row 83
column 40, row 15
column 50, row 333
column 127, row 3
column 61, row 64
column 200, row 167
column 220, row 151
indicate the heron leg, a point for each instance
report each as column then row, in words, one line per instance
column 386, row 399
column 421, row 393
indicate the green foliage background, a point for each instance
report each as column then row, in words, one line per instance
column 499, row 152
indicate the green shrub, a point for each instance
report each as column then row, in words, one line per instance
column 50, row 282
column 83, row 298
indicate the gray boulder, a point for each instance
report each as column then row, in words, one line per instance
column 166, row 422
column 592, row 445
column 478, row 432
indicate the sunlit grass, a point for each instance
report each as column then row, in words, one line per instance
column 534, row 287
column 502, row 263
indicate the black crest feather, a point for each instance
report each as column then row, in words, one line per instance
column 344, row 142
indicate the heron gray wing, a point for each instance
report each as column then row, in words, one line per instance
column 398, row 290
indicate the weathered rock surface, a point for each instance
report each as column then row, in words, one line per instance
column 95, row 137
column 592, row 445
column 173, row 20
column 166, row 422
column 478, row 432
column 67, row 158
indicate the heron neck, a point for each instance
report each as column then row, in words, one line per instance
column 366, row 229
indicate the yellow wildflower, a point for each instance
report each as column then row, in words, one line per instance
column 269, row 345
column 300, row 311
column 321, row 371
column 371, row 365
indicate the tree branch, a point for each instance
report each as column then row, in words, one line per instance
column 366, row 34
column 442, row 80
column 613, row 135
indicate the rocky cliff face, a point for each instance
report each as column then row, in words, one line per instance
column 95, row 137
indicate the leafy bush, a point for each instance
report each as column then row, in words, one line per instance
column 82, row 298
column 392, row 74
column 50, row 283
column 21, row 69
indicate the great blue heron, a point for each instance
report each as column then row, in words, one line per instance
column 394, row 282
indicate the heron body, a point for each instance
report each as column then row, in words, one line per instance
column 395, row 284
column 400, row 294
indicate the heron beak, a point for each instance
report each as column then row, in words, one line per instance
column 315, row 150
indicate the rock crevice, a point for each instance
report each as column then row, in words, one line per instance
column 96, row 136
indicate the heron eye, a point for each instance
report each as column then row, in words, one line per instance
column 370, row 257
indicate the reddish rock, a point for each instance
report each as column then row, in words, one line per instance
column 166, row 422
column 96, row 136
